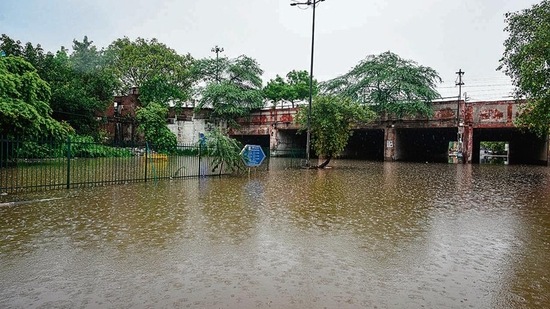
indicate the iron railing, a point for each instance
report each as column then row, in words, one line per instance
column 35, row 165
column 38, row 165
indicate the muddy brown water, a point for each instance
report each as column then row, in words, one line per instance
column 359, row 235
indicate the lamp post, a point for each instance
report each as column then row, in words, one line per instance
column 216, row 49
column 308, row 136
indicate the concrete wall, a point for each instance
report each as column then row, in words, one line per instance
column 390, row 144
column 187, row 131
column 287, row 142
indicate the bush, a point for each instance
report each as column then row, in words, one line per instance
column 86, row 147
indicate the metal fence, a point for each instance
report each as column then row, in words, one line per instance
column 32, row 165
column 37, row 165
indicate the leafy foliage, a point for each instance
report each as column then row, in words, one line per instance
column 81, row 87
column 33, row 54
column 10, row 47
column 37, row 149
column 277, row 90
column 332, row 120
column 389, row 84
column 81, row 146
column 225, row 152
column 232, row 87
column 495, row 147
column 294, row 88
column 162, row 75
column 86, row 147
column 152, row 123
column 526, row 60
column 24, row 96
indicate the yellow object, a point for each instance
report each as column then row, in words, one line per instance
column 157, row 157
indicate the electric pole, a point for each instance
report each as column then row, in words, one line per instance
column 459, row 84
column 459, row 122
column 216, row 49
column 313, row 3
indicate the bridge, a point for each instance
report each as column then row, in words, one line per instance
column 411, row 138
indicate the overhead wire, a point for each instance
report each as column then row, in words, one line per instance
column 480, row 88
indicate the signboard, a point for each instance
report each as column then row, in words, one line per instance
column 455, row 152
column 252, row 155
column 202, row 139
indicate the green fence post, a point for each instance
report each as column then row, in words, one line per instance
column 68, row 162
column 146, row 152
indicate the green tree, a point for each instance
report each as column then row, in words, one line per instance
column 152, row 123
column 299, row 85
column 526, row 60
column 24, row 96
column 294, row 88
column 495, row 147
column 232, row 87
column 224, row 151
column 389, row 84
column 82, row 86
column 33, row 54
column 10, row 47
column 277, row 90
column 331, row 123
column 162, row 75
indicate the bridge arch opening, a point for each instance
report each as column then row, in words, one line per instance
column 365, row 144
column 494, row 152
column 423, row 144
column 289, row 143
column 524, row 147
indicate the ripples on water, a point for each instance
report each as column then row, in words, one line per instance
column 358, row 235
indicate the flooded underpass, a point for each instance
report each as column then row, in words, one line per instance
column 359, row 235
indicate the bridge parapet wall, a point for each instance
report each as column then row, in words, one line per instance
column 477, row 114
column 492, row 114
column 262, row 122
column 444, row 115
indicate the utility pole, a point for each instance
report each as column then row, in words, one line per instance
column 313, row 3
column 216, row 49
column 459, row 84
column 459, row 122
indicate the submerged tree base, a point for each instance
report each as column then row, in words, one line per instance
column 320, row 166
column 324, row 164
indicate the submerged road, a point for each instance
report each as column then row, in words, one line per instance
column 360, row 235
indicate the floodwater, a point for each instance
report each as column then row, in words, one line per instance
column 359, row 235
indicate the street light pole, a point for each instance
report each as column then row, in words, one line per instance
column 216, row 49
column 308, row 135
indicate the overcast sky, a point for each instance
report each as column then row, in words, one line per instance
column 442, row 34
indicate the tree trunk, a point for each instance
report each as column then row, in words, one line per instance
column 324, row 164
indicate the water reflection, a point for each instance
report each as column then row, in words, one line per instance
column 361, row 234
